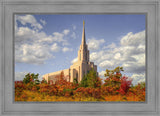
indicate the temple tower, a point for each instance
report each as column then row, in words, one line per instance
column 83, row 53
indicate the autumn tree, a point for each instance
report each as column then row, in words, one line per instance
column 113, row 76
column 60, row 79
column 31, row 77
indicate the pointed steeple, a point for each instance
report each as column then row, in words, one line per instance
column 83, row 35
column 83, row 53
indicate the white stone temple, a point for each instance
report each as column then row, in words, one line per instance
column 79, row 68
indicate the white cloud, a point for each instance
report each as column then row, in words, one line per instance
column 113, row 45
column 30, row 46
column 138, row 78
column 35, row 47
column 94, row 56
column 25, row 34
column 32, row 53
column 137, row 66
column 58, row 36
column 117, row 56
column 74, row 27
column 43, row 22
column 94, row 44
column 66, row 31
column 102, row 73
column 101, row 56
column 65, row 49
column 107, row 64
column 74, row 60
column 55, row 47
column 130, row 55
column 19, row 76
column 133, row 39
column 73, row 35
column 29, row 19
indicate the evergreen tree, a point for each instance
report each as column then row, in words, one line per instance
column 31, row 78
column 90, row 79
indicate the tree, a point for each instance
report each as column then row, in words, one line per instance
column 84, row 82
column 112, row 73
column 44, row 81
column 31, row 78
column 90, row 80
column 75, row 81
column 61, row 79
column 113, row 76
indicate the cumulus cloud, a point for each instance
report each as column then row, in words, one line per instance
column 43, row 22
column 35, row 47
column 130, row 54
column 65, row 49
column 100, row 56
column 137, row 66
column 66, row 31
column 29, row 19
column 117, row 56
column 94, row 44
column 133, row 39
column 29, row 46
column 58, row 36
column 19, row 76
column 55, row 47
column 32, row 53
column 106, row 63
column 102, row 73
column 113, row 45
column 138, row 78
column 94, row 56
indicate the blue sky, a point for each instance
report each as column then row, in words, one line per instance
column 48, row 43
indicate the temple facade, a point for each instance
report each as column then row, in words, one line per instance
column 79, row 68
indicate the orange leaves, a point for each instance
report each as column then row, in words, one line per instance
column 19, row 85
column 55, row 92
column 70, row 92
column 114, row 89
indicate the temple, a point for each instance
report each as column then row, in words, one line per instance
column 79, row 68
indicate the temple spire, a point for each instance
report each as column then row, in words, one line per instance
column 83, row 34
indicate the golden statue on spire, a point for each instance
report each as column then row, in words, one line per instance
column 83, row 22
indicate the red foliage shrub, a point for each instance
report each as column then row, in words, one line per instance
column 114, row 88
column 125, row 85
column 19, row 85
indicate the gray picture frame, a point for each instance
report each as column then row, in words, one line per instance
column 149, row 7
